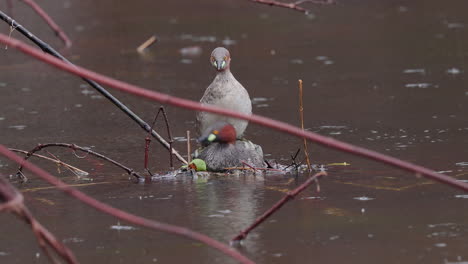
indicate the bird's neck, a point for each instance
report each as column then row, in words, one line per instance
column 225, row 74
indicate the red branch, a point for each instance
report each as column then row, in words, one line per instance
column 267, row 122
column 181, row 231
column 58, row 31
column 13, row 201
column 293, row 5
column 290, row 195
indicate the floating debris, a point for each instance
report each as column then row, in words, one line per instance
column 440, row 224
column 453, row 25
column 420, row 71
column 198, row 38
column 321, row 58
column 440, row 245
column 73, row 240
column 453, row 71
column 228, row 42
column 296, row 61
column 418, row 85
column 313, row 198
column 186, row 61
column 216, row 215
column 363, row 198
column 121, row 227
column 191, row 51
column 18, row 127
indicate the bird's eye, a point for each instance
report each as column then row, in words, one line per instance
column 216, row 132
column 225, row 58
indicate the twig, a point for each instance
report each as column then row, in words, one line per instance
column 48, row 49
column 146, row 44
column 264, row 121
column 293, row 161
column 86, row 150
column 58, row 31
column 58, row 162
column 169, row 134
column 177, row 230
column 293, row 5
column 189, row 148
column 301, row 115
column 290, row 195
column 13, row 201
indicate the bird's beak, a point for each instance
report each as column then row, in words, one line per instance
column 206, row 140
column 219, row 65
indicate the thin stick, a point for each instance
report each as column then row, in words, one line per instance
column 290, row 195
column 58, row 162
column 301, row 115
column 264, row 121
column 189, row 148
column 60, row 33
column 173, row 229
column 169, row 134
column 48, row 49
column 86, row 150
column 146, row 44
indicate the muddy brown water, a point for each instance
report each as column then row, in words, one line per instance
column 388, row 75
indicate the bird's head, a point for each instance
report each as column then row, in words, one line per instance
column 221, row 132
column 220, row 59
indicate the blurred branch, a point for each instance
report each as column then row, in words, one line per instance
column 168, row 228
column 58, row 31
column 48, row 49
column 12, row 200
column 264, row 121
column 289, row 196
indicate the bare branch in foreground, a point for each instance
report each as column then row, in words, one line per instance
column 264, row 121
column 58, row 31
column 48, row 49
column 12, row 200
column 290, row 195
column 168, row 228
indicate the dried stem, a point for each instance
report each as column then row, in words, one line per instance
column 13, row 201
column 48, row 49
column 290, row 195
column 267, row 122
column 189, row 148
column 301, row 115
column 58, row 31
column 58, row 162
column 169, row 134
column 177, row 230
column 74, row 148
column 146, row 44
